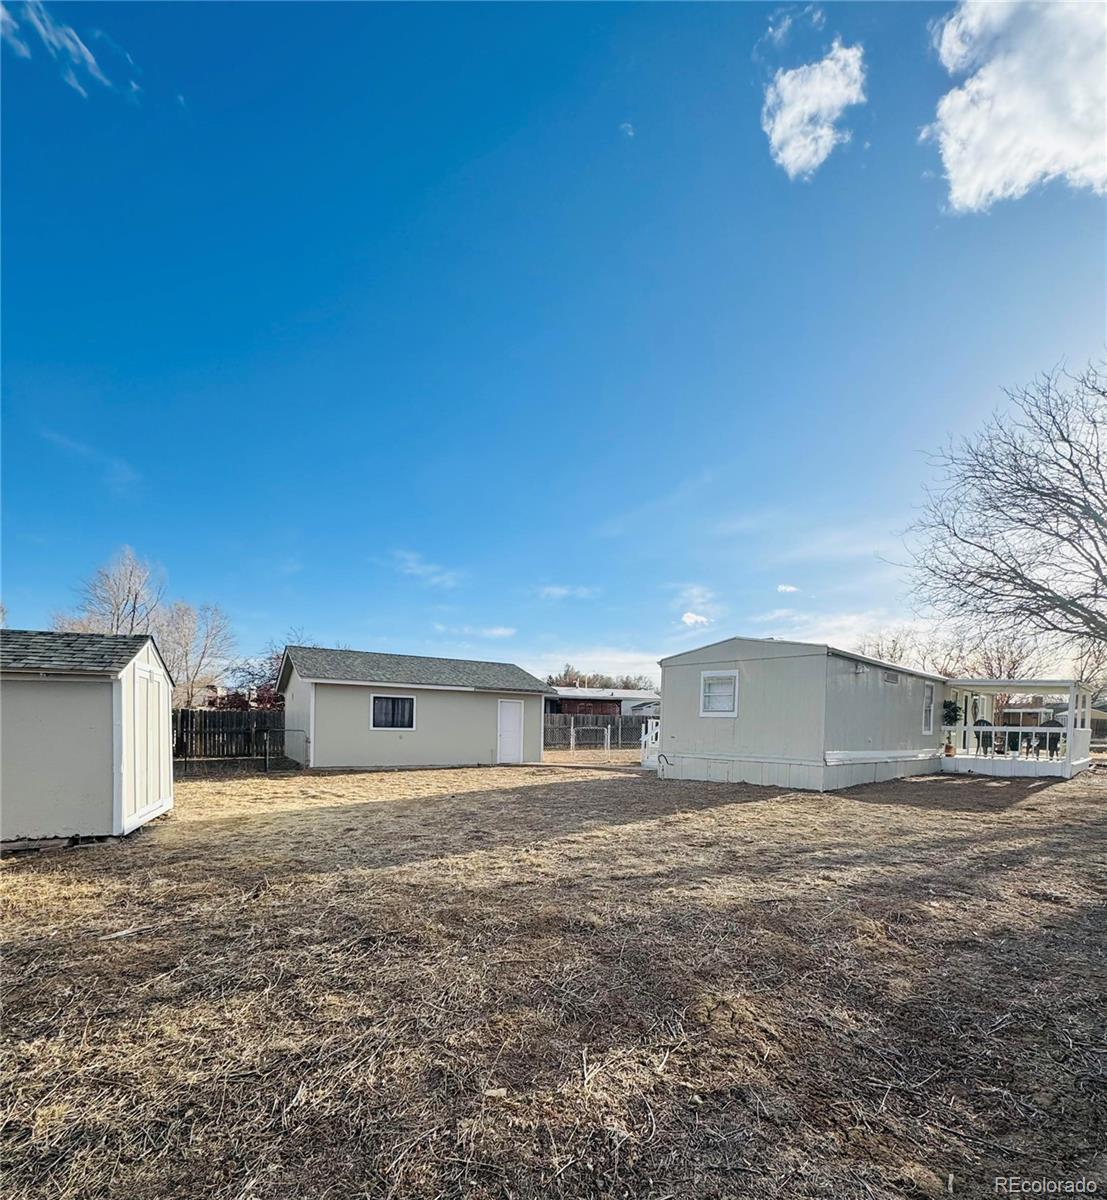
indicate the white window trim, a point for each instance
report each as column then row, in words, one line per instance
column 729, row 714
column 928, row 726
column 393, row 728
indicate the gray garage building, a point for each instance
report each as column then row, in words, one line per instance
column 85, row 745
column 353, row 708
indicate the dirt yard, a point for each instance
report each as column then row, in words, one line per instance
column 550, row 982
column 626, row 758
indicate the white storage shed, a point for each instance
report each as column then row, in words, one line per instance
column 85, row 744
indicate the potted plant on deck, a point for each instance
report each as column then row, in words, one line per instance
column 951, row 715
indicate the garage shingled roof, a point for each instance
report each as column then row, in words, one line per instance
column 79, row 653
column 361, row 666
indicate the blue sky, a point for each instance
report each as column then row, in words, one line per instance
column 526, row 332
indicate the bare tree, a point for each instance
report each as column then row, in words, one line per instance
column 256, row 677
column 1089, row 663
column 121, row 597
column 1014, row 537
column 197, row 645
column 896, row 644
column 962, row 653
column 3, row 616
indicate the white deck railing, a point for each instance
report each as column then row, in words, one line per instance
column 1026, row 741
column 651, row 742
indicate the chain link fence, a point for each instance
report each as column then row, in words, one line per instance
column 583, row 731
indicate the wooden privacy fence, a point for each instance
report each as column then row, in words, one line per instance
column 227, row 733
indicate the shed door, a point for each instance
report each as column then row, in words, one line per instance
column 142, row 749
column 509, row 739
column 151, row 750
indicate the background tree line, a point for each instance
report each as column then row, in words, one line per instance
column 569, row 676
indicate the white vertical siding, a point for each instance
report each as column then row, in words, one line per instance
column 146, row 743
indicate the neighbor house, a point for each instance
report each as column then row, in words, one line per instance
column 598, row 702
column 353, row 708
column 802, row 715
column 85, row 748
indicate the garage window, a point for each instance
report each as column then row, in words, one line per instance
column 392, row 712
column 718, row 693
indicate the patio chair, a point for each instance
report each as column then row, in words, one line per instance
column 983, row 739
column 1053, row 740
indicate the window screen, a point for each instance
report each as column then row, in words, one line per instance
column 719, row 693
column 393, row 712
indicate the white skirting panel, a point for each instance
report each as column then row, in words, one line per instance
column 835, row 775
column 1010, row 766
column 718, row 769
column 801, row 776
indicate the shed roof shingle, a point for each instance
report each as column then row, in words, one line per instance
column 361, row 666
column 81, row 653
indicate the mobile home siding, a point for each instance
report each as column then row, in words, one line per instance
column 452, row 728
column 780, row 705
column 808, row 717
column 777, row 736
column 864, row 712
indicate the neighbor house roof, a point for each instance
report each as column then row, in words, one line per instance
column 361, row 666
column 587, row 693
column 40, row 650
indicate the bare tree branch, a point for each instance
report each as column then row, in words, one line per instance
column 1014, row 537
column 121, row 597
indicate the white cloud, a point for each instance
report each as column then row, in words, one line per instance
column 77, row 62
column 566, row 591
column 782, row 21
column 694, row 595
column 9, row 31
column 627, row 129
column 786, row 587
column 802, row 108
column 840, row 543
column 1033, row 108
column 487, row 631
column 697, row 604
column 410, row 562
column 650, row 512
column 117, row 473
column 842, row 629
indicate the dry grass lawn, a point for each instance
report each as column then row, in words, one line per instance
column 548, row 982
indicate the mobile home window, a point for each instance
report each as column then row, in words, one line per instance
column 928, row 708
column 392, row 712
column 718, row 693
